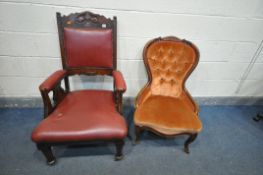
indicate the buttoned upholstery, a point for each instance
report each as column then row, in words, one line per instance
column 169, row 64
column 164, row 104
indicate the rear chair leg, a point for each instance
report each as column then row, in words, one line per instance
column 119, row 145
column 46, row 150
column 138, row 132
column 190, row 139
column 128, row 128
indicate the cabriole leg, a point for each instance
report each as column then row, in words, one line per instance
column 119, row 145
column 190, row 139
column 46, row 150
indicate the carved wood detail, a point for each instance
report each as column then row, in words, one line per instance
column 86, row 19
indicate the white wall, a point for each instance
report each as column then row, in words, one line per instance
column 227, row 33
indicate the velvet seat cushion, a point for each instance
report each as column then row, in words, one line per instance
column 82, row 116
column 167, row 115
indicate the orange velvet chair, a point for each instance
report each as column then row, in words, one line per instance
column 88, row 46
column 164, row 106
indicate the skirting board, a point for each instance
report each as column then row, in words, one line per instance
column 15, row 102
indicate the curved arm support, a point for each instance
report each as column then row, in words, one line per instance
column 119, row 82
column 119, row 88
column 52, row 83
column 52, row 80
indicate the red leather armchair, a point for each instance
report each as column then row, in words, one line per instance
column 88, row 46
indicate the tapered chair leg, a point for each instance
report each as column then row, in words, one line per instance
column 138, row 132
column 128, row 128
column 119, row 145
column 190, row 139
column 46, row 150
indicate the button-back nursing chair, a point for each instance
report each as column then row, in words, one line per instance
column 88, row 47
column 164, row 106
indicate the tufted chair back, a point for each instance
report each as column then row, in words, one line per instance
column 164, row 105
column 169, row 61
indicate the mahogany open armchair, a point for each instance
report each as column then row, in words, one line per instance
column 88, row 46
column 164, row 106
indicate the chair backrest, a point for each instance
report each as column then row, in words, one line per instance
column 88, row 43
column 169, row 62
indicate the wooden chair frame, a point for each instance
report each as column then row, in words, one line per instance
column 80, row 20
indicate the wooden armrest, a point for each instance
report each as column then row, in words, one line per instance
column 119, row 81
column 52, row 80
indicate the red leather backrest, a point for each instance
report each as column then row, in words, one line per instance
column 88, row 47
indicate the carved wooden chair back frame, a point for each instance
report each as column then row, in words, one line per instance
column 86, row 20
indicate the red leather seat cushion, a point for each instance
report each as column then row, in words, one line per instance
column 89, row 47
column 82, row 116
